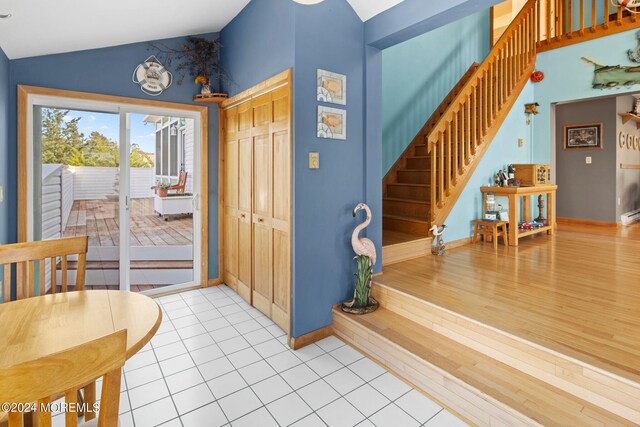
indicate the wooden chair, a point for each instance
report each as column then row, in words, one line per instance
column 62, row 374
column 46, row 252
column 182, row 183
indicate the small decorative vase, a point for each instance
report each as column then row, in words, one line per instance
column 206, row 89
column 163, row 192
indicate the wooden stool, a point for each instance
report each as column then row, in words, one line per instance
column 493, row 229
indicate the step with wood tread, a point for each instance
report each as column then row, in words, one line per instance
column 482, row 389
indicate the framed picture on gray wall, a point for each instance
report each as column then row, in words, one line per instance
column 583, row 137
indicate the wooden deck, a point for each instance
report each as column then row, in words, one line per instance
column 99, row 220
column 576, row 292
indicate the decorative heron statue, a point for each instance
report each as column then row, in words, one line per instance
column 366, row 258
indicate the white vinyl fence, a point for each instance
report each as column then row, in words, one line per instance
column 96, row 183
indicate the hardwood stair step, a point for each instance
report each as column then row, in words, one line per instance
column 407, row 224
column 414, row 176
column 481, row 389
column 408, row 247
column 421, row 150
column 418, row 162
column 405, row 207
column 606, row 386
column 408, row 191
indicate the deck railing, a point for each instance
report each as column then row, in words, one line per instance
column 466, row 129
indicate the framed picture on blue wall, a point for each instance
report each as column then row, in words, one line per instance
column 332, row 87
column 332, row 123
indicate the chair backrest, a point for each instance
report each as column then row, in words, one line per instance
column 64, row 373
column 46, row 254
column 182, row 182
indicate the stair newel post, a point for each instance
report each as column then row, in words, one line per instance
column 606, row 13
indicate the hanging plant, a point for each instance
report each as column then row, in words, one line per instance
column 199, row 58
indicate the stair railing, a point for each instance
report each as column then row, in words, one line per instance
column 564, row 22
column 460, row 138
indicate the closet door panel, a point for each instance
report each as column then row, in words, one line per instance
column 245, row 166
column 230, row 235
column 262, row 175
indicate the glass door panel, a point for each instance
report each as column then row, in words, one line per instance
column 161, row 189
column 76, row 190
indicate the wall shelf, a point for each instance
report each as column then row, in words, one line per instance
column 630, row 116
column 215, row 98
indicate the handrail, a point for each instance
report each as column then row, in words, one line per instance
column 463, row 133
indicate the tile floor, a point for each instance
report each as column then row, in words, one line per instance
column 217, row 361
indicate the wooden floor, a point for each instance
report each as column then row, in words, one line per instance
column 577, row 292
column 392, row 237
column 98, row 219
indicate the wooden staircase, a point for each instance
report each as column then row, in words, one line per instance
column 425, row 182
column 406, row 187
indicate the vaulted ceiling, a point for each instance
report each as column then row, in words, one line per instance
column 41, row 27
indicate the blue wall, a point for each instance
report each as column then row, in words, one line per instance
column 5, row 207
column 569, row 78
column 258, row 43
column 324, row 198
column 106, row 71
column 419, row 73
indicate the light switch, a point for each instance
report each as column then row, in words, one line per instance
column 520, row 142
column 1, row 194
column 314, row 160
column 588, row 160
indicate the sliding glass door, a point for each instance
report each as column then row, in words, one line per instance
column 127, row 179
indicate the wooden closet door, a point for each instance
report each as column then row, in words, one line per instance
column 230, row 238
column 262, row 203
column 281, row 219
column 245, row 200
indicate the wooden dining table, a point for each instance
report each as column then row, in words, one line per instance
column 35, row 327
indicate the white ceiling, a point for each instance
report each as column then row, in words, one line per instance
column 41, row 27
column 367, row 9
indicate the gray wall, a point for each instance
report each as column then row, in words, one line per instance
column 628, row 180
column 587, row 191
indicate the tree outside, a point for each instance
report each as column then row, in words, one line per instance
column 63, row 143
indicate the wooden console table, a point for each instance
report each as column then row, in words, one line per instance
column 514, row 194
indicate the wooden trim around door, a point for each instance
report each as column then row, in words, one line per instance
column 272, row 83
column 23, row 97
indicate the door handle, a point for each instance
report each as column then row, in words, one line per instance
column 243, row 216
column 260, row 220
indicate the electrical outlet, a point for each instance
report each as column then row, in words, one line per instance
column 619, row 202
column 314, row 160
column 588, row 160
column 520, row 142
